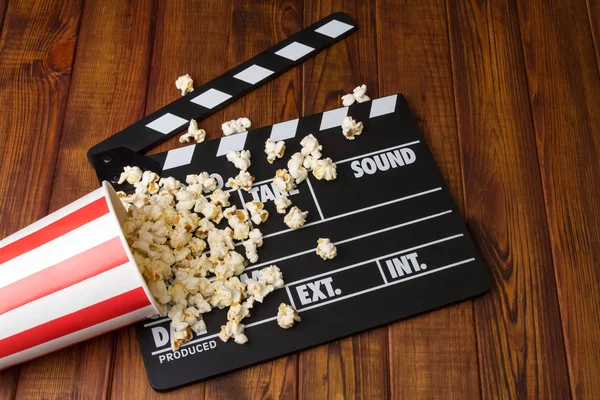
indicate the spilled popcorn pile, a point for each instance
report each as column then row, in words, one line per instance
column 190, row 264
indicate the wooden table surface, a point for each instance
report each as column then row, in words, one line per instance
column 507, row 93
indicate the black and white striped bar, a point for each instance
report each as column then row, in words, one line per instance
column 402, row 245
column 232, row 85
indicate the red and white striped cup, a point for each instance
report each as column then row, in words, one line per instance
column 67, row 278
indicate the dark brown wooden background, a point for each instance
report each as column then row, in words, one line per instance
column 507, row 93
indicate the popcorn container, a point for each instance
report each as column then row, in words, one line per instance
column 67, row 278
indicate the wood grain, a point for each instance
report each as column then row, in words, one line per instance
column 254, row 28
column 593, row 8
column 564, row 90
column 518, row 323
column 354, row 367
column 437, row 352
column 107, row 93
column 36, row 53
column 507, row 93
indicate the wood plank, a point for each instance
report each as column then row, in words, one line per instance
column 355, row 367
column 565, row 100
column 437, row 352
column 254, row 28
column 36, row 48
column 593, row 8
column 107, row 93
column 520, row 346
column 8, row 378
column 186, row 40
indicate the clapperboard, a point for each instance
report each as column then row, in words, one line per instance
column 402, row 245
column 403, row 248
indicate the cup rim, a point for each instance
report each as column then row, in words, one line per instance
column 114, row 202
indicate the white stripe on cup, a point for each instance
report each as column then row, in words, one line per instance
column 60, row 249
column 75, row 337
column 66, row 301
column 55, row 216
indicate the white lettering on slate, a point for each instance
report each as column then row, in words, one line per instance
column 160, row 336
column 268, row 192
column 188, row 351
column 407, row 264
column 316, row 291
column 383, row 162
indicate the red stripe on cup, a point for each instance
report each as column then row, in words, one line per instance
column 84, row 318
column 88, row 264
column 56, row 229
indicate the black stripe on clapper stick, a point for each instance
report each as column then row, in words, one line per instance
column 217, row 94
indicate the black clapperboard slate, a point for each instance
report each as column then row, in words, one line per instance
column 403, row 248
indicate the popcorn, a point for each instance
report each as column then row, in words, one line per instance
column 233, row 330
column 185, row 200
column 257, row 211
column 326, row 169
column 220, row 198
column 196, row 246
column 239, row 311
column 236, row 261
column 193, row 133
column 287, row 316
column 156, row 270
column 274, row 150
column 350, row 128
column 198, row 301
column 208, row 209
column 255, row 240
column 271, row 275
column 295, row 218
column 325, row 249
column 251, row 250
column 204, row 226
column 179, row 238
column 258, row 289
column 207, row 183
column 148, row 183
column 310, row 145
column 178, row 290
column 168, row 239
column 239, row 222
column 235, row 126
column 348, row 99
column 220, row 241
column 242, row 180
column 158, row 288
column 222, row 296
column 283, row 180
column 168, row 185
column 200, row 265
column 241, row 159
column 180, row 337
column 130, row 174
column 311, row 162
column 282, row 203
column 185, row 84
column 295, row 167
column 360, row 93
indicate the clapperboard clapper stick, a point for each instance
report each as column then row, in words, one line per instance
column 403, row 247
column 127, row 146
